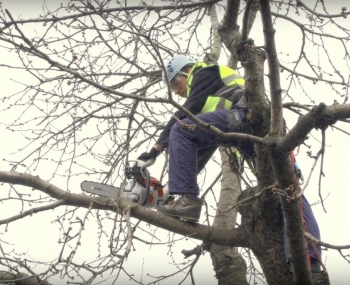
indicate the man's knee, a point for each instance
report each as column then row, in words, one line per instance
column 175, row 129
column 182, row 127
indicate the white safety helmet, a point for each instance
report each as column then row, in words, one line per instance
column 175, row 65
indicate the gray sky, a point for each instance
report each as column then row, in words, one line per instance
column 333, row 224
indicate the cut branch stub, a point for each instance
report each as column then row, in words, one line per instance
column 323, row 120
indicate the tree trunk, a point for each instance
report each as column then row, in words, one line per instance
column 228, row 263
column 262, row 218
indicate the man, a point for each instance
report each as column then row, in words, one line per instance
column 191, row 148
column 206, row 88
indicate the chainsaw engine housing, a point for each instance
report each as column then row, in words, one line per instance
column 139, row 187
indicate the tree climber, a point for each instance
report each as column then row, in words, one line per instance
column 214, row 94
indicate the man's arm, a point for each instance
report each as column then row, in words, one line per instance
column 158, row 147
column 206, row 82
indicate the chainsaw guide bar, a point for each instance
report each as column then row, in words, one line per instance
column 139, row 187
column 100, row 189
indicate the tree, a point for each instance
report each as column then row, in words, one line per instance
column 94, row 98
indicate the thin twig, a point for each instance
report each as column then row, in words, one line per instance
column 78, row 243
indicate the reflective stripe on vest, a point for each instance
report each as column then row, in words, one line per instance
column 229, row 77
column 233, row 79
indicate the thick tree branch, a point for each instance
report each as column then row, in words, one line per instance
column 251, row 9
column 326, row 244
column 213, row 56
column 208, row 234
column 319, row 117
column 274, row 74
column 292, row 217
column 231, row 15
column 229, row 30
column 19, row 279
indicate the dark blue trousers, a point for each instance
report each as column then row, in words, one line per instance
column 185, row 146
column 311, row 227
column 190, row 150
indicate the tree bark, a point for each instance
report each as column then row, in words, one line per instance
column 19, row 279
column 229, row 265
column 262, row 218
column 205, row 233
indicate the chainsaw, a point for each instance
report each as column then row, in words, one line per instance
column 139, row 187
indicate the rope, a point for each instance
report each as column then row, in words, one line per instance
column 235, row 162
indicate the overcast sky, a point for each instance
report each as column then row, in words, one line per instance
column 334, row 224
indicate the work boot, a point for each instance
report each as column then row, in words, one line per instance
column 187, row 207
column 320, row 278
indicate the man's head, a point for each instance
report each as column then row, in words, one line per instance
column 177, row 71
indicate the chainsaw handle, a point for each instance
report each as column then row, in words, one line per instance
column 147, row 163
column 140, row 172
column 148, row 184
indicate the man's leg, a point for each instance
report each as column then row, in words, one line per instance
column 318, row 276
column 183, row 146
column 312, row 228
column 203, row 156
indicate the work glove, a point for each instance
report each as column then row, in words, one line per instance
column 147, row 159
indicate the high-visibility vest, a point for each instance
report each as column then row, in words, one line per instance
column 229, row 77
